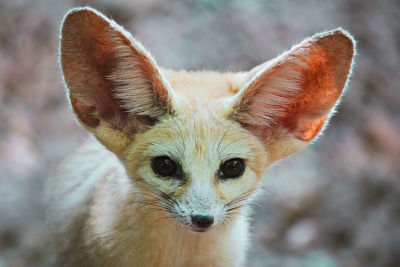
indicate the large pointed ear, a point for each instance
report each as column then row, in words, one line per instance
column 288, row 101
column 114, row 85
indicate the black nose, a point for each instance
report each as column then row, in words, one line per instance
column 202, row 221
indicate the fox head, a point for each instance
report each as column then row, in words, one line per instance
column 196, row 144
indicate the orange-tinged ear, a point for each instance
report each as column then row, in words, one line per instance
column 291, row 97
column 112, row 80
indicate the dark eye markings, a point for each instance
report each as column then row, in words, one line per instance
column 164, row 166
column 231, row 169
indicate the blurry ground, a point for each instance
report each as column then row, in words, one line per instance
column 335, row 204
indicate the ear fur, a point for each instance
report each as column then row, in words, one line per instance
column 292, row 97
column 113, row 81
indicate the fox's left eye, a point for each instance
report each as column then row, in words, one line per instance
column 166, row 167
column 231, row 169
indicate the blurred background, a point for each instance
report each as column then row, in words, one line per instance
column 335, row 204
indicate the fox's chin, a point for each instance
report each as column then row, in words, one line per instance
column 196, row 230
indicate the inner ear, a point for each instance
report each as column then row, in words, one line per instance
column 294, row 94
column 111, row 78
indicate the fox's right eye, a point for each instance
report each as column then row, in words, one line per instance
column 166, row 167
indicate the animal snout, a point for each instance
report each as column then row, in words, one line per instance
column 202, row 222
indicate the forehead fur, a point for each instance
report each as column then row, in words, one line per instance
column 199, row 138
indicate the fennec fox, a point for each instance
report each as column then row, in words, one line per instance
column 178, row 154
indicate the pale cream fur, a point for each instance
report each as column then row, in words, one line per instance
column 106, row 205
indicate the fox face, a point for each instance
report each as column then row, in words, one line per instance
column 196, row 144
column 200, row 167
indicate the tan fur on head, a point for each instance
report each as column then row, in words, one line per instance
column 200, row 121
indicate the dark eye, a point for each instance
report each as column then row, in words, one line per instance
column 232, row 168
column 166, row 167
